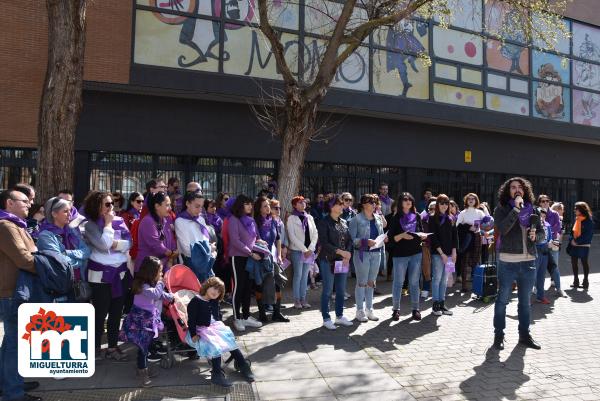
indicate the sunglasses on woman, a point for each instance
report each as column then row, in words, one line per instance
column 276, row 208
column 443, row 203
column 139, row 201
column 109, row 204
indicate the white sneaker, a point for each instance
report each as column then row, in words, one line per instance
column 424, row 294
column 370, row 315
column 238, row 324
column 328, row 324
column 252, row 322
column 561, row 293
column 342, row 321
column 534, row 291
column 360, row 316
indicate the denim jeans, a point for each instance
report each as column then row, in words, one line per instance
column 541, row 265
column 329, row 280
column 555, row 273
column 439, row 279
column 11, row 381
column 300, row 275
column 402, row 266
column 524, row 274
column 366, row 271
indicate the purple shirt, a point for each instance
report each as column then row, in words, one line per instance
column 151, row 298
column 553, row 219
column 240, row 240
column 149, row 242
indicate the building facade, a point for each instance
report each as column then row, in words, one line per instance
column 168, row 86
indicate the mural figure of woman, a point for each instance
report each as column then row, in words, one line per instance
column 402, row 37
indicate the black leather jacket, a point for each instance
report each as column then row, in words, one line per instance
column 333, row 235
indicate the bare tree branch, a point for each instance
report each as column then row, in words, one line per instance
column 276, row 46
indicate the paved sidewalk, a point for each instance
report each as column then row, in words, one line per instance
column 445, row 358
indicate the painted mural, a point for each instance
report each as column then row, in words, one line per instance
column 551, row 101
column 507, row 104
column 458, row 46
column 459, row 96
column 167, row 39
column 400, row 72
column 466, row 14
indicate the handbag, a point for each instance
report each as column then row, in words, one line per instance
column 83, row 291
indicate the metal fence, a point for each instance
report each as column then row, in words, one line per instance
column 129, row 172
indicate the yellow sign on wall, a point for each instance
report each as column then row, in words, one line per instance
column 467, row 156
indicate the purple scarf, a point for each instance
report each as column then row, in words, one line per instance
column 408, row 222
column 118, row 224
column 385, row 199
column 214, row 220
column 304, row 220
column 74, row 214
column 443, row 219
column 249, row 224
column 524, row 214
column 4, row 215
column 69, row 238
column 186, row 215
column 265, row 229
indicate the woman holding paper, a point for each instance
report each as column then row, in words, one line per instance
column 469, row 229
column 366, row 230
column 334, row 261
column 302, row 237
column 406, row 235
column 444, row 243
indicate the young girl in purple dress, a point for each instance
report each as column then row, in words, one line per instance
column 143, row 322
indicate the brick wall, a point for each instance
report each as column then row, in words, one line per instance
column 23, row 57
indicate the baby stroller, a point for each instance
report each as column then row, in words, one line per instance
column 182, row 282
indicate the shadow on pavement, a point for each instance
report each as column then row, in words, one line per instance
column 496, row 380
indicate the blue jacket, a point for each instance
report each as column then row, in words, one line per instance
column 48, row 241
column 201, row 260
column 259, row 269
column 53, row 282
column 360, row 231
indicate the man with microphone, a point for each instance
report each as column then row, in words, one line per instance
column 519, row 228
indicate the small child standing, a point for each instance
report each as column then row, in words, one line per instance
column 209, row 336
column 143, row 322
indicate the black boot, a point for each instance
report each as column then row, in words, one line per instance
column 499, row 342
column 277, row 316
column 262, row 314
column 246, row 371
column 585, row 284
column 528, row 341
column 218, row 378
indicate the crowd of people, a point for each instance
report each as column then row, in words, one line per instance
column 241, row 248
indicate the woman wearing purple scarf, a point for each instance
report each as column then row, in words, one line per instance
column 242, row 236
column 133, row 209
column 156, row 232
column 223, row 210
column 302, row 236
column 212, row 218
column 108, row 275
column 191, row 228
column 406, row 235
column 56, row 235
column 268, row 231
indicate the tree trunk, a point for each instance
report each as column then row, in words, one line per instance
column 62, row 96
column 295, row 141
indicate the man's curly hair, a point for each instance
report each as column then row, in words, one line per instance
column 504, row 191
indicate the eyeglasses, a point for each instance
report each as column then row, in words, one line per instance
column 109, row 204
column 406, row 200
column 139, row 201
column 443, row 203
column 347, row 200
column 276, row 208
column 545, row 201
column 27, row 202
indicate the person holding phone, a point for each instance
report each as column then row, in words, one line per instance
column 406, row 235
column 519, row 228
